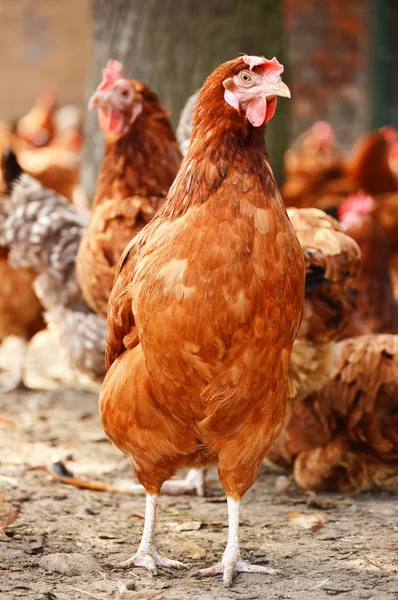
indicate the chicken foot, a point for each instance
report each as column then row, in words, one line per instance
column 17, row 381
column 231, row 562
column 147, row 555
column 192, row 485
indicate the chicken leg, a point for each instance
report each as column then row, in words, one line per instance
column 147, row 555
column 192, row 485
column 231, row 562
column 17, row 381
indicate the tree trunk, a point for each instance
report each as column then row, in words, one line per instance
column 172, row 45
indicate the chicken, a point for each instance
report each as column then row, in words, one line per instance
column 314, row 170
column 371, row 292
column 205, row 307
column 37, row 126
column 332, row 259
column 316, row 175
column 56, row 165
column 140, row 163
column 42, row 232
column 340, row 429
column 184, row 127
column 21, row 313
column 368, row 163
column 350, row 439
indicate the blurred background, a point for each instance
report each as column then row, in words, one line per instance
column 341, row 57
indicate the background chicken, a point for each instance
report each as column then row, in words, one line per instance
column 371, row 293
column 368, row 164
column 140, row 163
column 184, row 128
column 340, row 429
column 21, row 313
column 318, row 175
column 195, row 323
column 314, row 170
column 55, row 161
column 37, row 126
column 44, row 235
column 42, row 232
column 332, row 258
column 350, row 440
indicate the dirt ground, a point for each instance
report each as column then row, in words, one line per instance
column 64, row 541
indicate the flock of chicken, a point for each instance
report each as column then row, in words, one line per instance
column 58, row 263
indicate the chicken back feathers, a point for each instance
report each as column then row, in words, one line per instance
column 205, row 308
column 21, row 313
column 331, row 258
column 355, row 421
column 137, row 170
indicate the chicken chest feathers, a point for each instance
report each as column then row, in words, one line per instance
column 205, row 308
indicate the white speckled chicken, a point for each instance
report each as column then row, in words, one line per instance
column 42, row 232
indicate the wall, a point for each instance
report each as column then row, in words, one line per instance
column 329, row 51
column 42, row 42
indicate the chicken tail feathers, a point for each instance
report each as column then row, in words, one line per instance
column 11, row 168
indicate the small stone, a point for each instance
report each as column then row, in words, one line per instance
column 194, row 550
column 189, row 526
column 36, row 545
column 69, row 564
column 130, row 585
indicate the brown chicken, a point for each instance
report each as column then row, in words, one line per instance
column 56, row 165
column 332, row 258
column 205, row 308
column 21, row 313
column 37, row 126
column 348, row 438
column 371, row 293
column 140, row 163
column 314, row 170
column 368, row 163
column 343, row 436
column 323, row 179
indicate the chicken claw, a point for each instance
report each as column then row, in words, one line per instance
column 193, row 484
column 230, row 565
column 231, row 562
column 147, row 555
column 150, row 558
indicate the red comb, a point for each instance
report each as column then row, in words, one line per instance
column 359, row 204
column 323, row 132
column 270, row 65
column 110, row 74
column 394, row 150
column 390, row 134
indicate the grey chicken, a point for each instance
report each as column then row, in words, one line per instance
column 42, row 232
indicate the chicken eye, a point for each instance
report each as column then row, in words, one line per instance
column 245, row 77
column 125, row 93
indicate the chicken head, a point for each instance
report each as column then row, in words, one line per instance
column 117, row 100
column 255, row 89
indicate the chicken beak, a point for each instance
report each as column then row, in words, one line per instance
column 280, row 89
column 99, row 99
